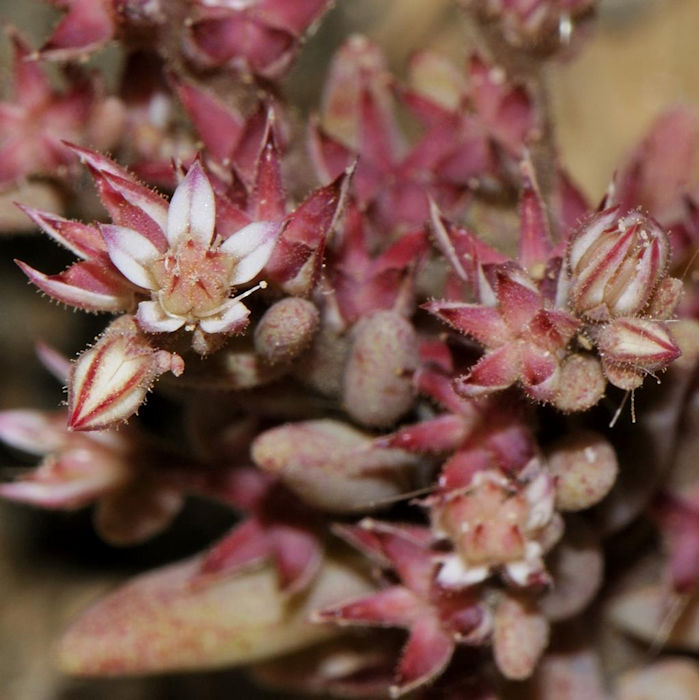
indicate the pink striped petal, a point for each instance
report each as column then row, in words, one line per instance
column 131, row 252
column 192, row 212
column 97, row 161
column 128, row 202
column 85, row 285
column 88, row 25
column 392, row 607
column 442, row 434
column 217, row 124
column 268, row 200
column 133, row 205
column 252, row 246
column 482, row 323
column 425, row 656
column 496, row 370
column 83, row 240
column 107, row 385
column 518, row 298
column 232, row 319
column 636, row 292
column 109, row 381
column 295, row 262
column 153, row 319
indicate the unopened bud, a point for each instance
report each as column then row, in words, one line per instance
column 616, row 263
column 637, row 343
column 109, row 381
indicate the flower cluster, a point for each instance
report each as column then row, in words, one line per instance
column 402, row 309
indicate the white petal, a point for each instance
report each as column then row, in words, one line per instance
column 252, row 246
column 455, row 574
column 232, row 318
column 153, row 319
column 192, row 210
column 520, row 572
column 131, row 252
column 540, row 494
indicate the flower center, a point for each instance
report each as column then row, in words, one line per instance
column 192, row 280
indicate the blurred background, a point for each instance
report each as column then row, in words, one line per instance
column 642, row 57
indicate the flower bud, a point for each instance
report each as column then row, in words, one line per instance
column 286, row 328
column 636, row 343
column 616, row 263
column 378, row 385
column 109, row 381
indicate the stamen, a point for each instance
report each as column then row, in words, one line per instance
column 619, row 410
column 248, row 292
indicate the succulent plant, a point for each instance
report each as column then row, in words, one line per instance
column 400, row 306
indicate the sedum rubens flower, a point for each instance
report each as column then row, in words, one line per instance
column 172, row 254
column 438, row 619
column 191, row 274
column 525, row 340
column 495, row 522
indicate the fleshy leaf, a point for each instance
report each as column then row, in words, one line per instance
column 159, row 622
